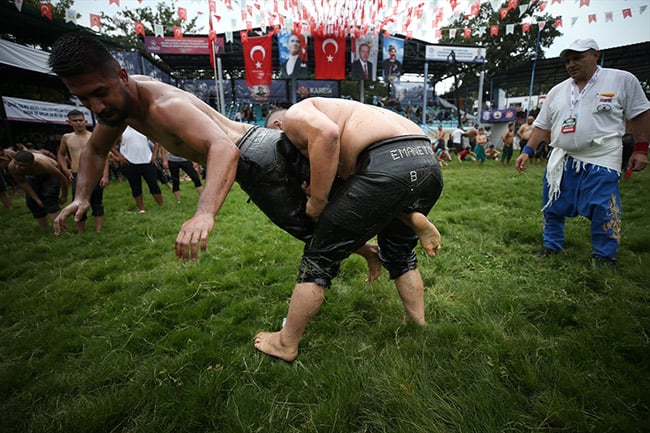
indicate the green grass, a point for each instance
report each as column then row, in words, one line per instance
column 111, row 333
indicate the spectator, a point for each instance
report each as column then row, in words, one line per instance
column 586, row 115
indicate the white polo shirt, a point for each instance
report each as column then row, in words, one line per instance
column 135, row 147
column 600, row 114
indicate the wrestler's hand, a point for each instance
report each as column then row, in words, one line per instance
column 77, row 208
column 194, row 232
column 315, row 207
column 520, row 164
column 637, row 162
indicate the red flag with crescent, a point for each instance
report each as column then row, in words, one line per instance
column 46, row 10
column 258, row 61
column 178, row 32
column 139, row 28
column 95, row 21
column 329, row 57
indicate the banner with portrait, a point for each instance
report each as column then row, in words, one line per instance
column 393, row 55
column 275, row 92
column 363, row 57
column 292, row 52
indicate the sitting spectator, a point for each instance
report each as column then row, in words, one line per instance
column 492, row 153
column 466, row 155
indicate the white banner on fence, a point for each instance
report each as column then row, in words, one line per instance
column 455, row 54
column 28, row 110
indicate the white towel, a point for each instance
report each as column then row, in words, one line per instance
column 554, row 171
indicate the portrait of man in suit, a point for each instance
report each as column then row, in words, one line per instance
column 295, row 65
column 362, row 68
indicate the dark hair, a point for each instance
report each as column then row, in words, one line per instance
column 78, row 54
column 24, row 157
column 75, row 112
column 271, row 113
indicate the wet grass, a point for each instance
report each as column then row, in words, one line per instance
column 111, row 333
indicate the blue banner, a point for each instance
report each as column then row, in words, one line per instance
column 310, row 88
column 206, row 90
column 276, row 92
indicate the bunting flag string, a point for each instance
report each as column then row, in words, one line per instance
column 351, row 18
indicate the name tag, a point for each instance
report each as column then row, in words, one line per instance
column 569, row 125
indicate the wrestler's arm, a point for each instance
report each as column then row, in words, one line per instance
column 62, row 157
column 201, row 134
column 50, row 166
column 92, row 163
column 641, row 132
column 317, row 137
column 537, row 136
column 22, row 182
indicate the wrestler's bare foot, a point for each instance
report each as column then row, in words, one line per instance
column 271, row 344
column 370, row 252
column 425, row 230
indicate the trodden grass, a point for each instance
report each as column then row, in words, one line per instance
column 111, row 333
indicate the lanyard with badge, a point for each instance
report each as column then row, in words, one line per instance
column 570, row 123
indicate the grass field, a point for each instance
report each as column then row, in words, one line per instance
column 111, row 333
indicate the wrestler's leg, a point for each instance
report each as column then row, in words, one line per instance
column 425, row 230
column 306, row 300
column 370, row 252
column 411, row 290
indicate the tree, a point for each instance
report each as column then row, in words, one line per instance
column 503, row 51
column 121, row 27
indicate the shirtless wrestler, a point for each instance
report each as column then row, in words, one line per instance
column 388, row 169
column 185, row 126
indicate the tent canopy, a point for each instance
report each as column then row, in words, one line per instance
column 20, row 56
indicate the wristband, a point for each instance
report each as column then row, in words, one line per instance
column 528, row 150
column 641, row 146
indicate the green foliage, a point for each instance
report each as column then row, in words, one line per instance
column 110, row 332
column 122, row 26
column 503, row 51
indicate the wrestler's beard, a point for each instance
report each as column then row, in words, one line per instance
column 118, row 116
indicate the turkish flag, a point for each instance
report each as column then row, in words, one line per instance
column 558, row 22
column 494, row 30
column 212, row 6
column 212, row 37
column 329, row 57
column 258, row 60
column 467, row 33
column 95, row 21
column 591, row 18
column 117, row 2
column 475, row 8
column 182, row 14
column 46, row 10
column 627, row 13
column 178, row 32
column 139, row 28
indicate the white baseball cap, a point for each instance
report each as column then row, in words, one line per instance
column 580, row 46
